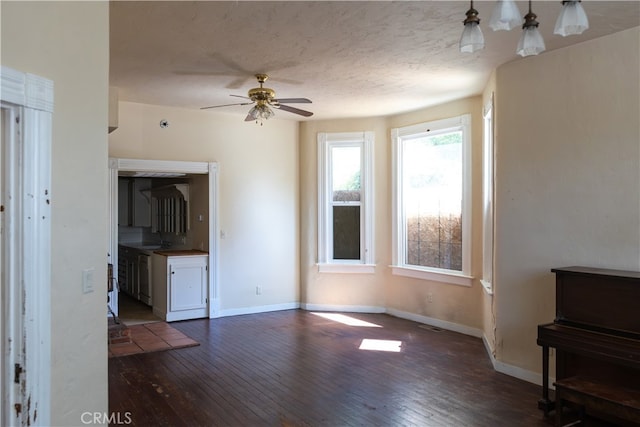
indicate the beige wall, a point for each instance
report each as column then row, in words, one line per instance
column 451, row 303
column 75, row 55
column 458, row 305
column 568, row 174
column 258, row 186
column 361, row 290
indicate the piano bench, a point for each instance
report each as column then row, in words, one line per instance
column 621, row 402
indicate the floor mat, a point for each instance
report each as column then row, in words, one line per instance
column 151, row 337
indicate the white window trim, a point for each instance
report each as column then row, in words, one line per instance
column 464, row 277
column 488, row 196
column 325, row 262
column 433, row 274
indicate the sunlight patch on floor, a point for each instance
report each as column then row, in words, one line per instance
column 347, row 320
column 381, row 345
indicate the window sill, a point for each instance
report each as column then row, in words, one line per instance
column 488, row 288
column 437, row 276
column 347, row 268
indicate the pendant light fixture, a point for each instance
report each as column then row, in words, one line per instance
column 572, row 19
column 505, row 16
column 472, row 39
column 531, row 42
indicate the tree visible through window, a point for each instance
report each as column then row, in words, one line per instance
column 431, row 196
column 432, row 177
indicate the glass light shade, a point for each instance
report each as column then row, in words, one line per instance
column 261, row 112
column 505, row 16
column 472, row 39
column 531, row 42
column 572, row 19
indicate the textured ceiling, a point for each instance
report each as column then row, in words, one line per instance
column 352, row 59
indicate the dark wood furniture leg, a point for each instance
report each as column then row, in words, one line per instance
column 545, row 404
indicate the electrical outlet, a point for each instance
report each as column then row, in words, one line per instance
column 429, row 297
column 258, row 290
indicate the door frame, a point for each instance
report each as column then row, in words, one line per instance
column 117, row 165
column 25, row 311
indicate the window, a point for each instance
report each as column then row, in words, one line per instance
column 487, row 200
column 345, row 200
column 432, row 200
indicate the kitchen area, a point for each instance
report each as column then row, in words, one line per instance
column 163, row 247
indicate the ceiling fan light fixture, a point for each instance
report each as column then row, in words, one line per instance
column 472, row 38
column 263, row 99
column 505, row 16
column 531, row 41
column 260, row 112
column 572, row 19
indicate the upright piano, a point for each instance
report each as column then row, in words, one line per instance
column 596, row 331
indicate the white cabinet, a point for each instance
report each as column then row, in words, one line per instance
column 180, row 285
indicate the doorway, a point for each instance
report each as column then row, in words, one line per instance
column 158, row 168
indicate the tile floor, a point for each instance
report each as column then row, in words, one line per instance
column 151, row 337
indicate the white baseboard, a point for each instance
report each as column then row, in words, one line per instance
column 343, row 308
column 450, row 326
column 514, row 371
column 258, row 309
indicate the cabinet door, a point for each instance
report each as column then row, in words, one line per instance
column 132, row 277
column 188, row 276
column 122, row 269
column 144, row 279
column 124, row 219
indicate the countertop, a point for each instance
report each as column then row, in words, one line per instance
column 157, row 249
column 180, row 252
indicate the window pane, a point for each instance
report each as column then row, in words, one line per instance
column 432, row 194
column 345, row 173
column 346, row 232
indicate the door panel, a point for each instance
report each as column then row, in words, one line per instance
column 188, row 279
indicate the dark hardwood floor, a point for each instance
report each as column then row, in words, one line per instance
column 294, row 368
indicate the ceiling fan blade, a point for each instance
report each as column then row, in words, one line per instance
column 294, row 110
column 226, row 105
column 241, row 96
column 293, row 101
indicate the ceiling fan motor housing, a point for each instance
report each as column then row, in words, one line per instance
column 262, row 94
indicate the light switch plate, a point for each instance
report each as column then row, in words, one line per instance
column 88, row 282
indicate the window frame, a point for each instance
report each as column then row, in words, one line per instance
column 326, row 262
column 488, row 198
column 399, row 266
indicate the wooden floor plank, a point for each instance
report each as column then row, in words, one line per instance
column 293, row 368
